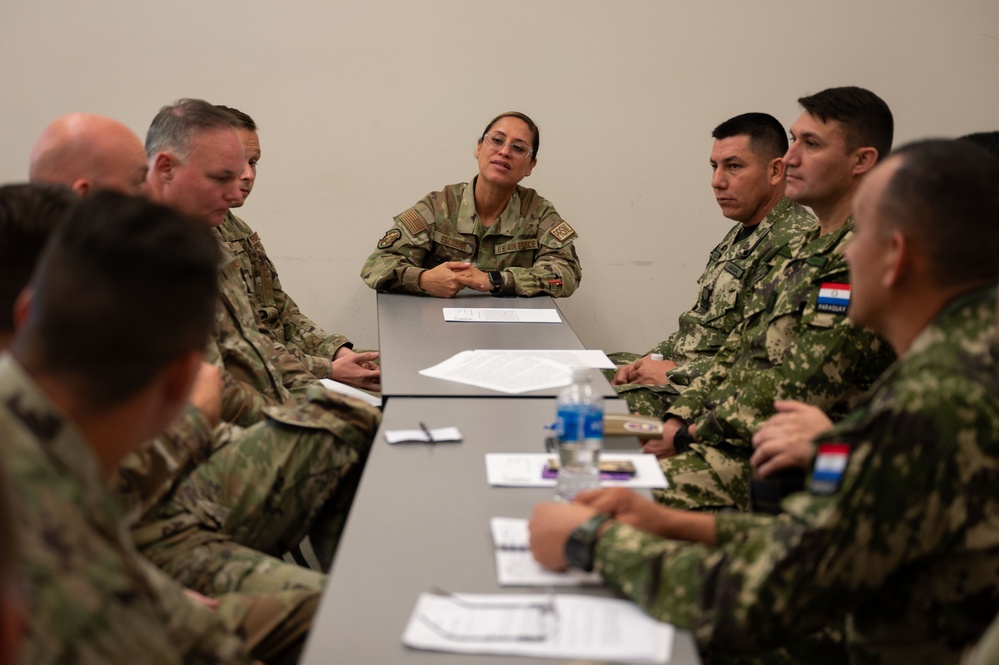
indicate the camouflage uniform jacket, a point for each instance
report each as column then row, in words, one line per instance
column 905, row 547
column 261, row 377
column 734, row 269
column 91, row 598
column 276, row 311
column 529, row 244
column 789, row 346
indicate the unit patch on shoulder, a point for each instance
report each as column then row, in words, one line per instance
column 413, row 221
column 834, row 298
column 389, row 238
column 561, row 231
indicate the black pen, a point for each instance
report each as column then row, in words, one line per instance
column 430, row 437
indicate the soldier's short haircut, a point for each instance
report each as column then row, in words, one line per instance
column 866, row 119
column 535, row 144
column 123, row 288
column 945, row 193
column 243, row 119
column 28, row 215
column 988, row 140
column 767, row 137
column 175, row 125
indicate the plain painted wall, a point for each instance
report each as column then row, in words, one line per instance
column 364, row 107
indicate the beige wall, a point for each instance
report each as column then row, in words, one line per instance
column 366, row 106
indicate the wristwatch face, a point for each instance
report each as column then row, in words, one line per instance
column 579, row 553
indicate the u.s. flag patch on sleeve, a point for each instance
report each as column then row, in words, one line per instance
column 833, row 298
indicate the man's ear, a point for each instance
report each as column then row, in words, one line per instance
column 179, row 375
column 898, row 259
column 82, row 186
column 865, row 160
column 163, row 165
column 22, row 306
column 776, row 170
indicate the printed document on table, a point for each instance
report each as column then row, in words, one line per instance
column 580, row 627
column 501, row 315
column 515, row 565
column 505, row 371
column 527, row 469
column 515, row 371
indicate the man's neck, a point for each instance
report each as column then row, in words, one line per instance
column 913, row 312
column 833, row 213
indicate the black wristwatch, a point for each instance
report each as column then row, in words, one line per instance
column 582, row 541
column 496, row 279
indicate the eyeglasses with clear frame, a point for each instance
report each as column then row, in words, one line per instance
column 518, row 149
column 546, row 613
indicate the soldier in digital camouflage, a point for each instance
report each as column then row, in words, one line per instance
column 748, row 179
column 324, row 355
column 795, row 341
column 72, row 405
column 894, row 531
column 489, row 235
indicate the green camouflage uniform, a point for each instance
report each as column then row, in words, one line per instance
column 734, row 268
column 786, row 348
column 529, row 244
column 906, row 548
column 90, row 597
column 209, row 505
column 276, row 311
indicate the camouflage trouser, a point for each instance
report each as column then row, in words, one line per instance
column 707, row 478
column 648, row 400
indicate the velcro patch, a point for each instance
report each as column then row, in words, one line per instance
column 413, row 221
column 833, row 298
column 516, row 246
column 254, row 239
column 389, row 238
column 830, row 465
column 561, row 231
column 453, row 243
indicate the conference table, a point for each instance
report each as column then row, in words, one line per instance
column 420, row 518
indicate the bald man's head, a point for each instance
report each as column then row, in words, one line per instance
column 88, row 153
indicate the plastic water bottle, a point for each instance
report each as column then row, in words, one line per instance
column 580, row 430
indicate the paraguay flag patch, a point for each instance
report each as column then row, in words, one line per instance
column 833, row 298
column 830, row 463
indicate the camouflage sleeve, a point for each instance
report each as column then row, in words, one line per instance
column 826, row 366
column 556, row 270
column 693, row 399
column 774, row 578
column 303, row 337
column 397, row 262
column 146, row 476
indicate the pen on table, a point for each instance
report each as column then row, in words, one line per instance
column 430, row 437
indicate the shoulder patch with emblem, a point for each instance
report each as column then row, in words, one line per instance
column 833, row 297
column 389, row 239
column 561, row 231
column 413, row 221
column 830, row 465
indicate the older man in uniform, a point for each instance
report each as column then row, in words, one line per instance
column 896, row 531
column 795, row 341
column 295, row 470
column 748, row 178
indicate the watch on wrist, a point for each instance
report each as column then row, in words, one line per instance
column 583, row 541
column 496, row 279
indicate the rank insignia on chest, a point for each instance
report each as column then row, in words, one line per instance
column 389, row 239
column 834, row 298
column 830, row 464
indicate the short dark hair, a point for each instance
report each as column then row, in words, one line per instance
column 123, row 288
column 987, row 140
column 28, row 215
column 176, row 124
column 244, row 120
column 945, row 193
column 767, row 137
column 866, row 119
column 535, row 144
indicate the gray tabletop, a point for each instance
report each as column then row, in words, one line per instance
column 412, row 335
column 421, row 519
